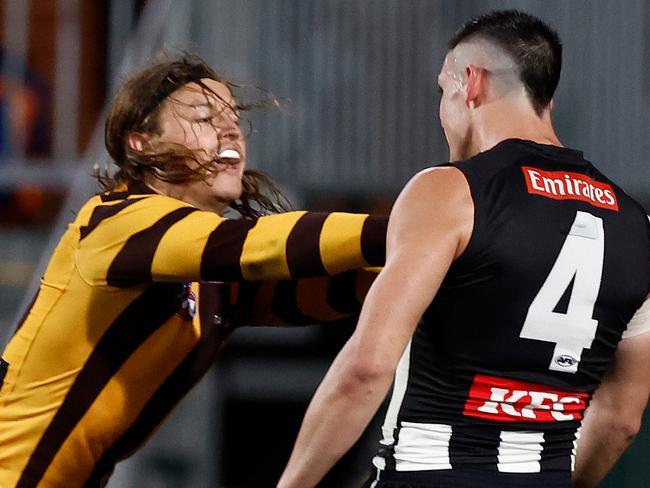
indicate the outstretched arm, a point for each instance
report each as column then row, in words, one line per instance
column 614, row 415
column 428, row 229
column 156, row 238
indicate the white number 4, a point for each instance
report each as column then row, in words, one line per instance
column 580, row 261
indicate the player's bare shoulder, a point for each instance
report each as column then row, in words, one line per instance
column 440, row 182
column 437, row 201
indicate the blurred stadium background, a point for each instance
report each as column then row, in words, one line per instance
column 357, row 82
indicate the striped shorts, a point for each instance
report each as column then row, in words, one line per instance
column 449, row 478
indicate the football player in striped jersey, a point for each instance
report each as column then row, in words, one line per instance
column 139, row 294
column 512, row 278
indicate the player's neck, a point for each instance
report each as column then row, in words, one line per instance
column 187, row 194
column 500, row 121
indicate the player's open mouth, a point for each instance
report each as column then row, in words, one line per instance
column 229, row 156
column 228, row 161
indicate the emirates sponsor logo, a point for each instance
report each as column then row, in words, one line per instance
column 564, row 185
column 507, row 400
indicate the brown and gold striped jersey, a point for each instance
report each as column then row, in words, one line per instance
column 129, row 316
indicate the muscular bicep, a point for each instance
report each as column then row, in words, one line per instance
column 629, row 372
column 428, row 229
column 614, row 414
column 640, row 322
column 161, row 239
column 628, row 377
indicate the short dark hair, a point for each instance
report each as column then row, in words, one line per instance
column 534, row 46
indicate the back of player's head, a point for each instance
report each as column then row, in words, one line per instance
column 533, row 46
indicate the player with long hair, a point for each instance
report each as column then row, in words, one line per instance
column 150, row 278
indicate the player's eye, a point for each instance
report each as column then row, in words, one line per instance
column 205, row 120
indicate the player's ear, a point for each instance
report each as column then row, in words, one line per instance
column 138, row 141
column 475, row 85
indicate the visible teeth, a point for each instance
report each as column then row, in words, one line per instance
column 229, row 154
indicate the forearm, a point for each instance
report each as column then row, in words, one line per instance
column 162, row 239
column 304, row 244
column 291, row 245
column 337, row 416
column 603, row 439
column 615, row 411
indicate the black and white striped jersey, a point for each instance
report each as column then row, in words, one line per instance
column 504, row 361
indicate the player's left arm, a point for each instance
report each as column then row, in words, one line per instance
column 614, row 415
column 428, row 228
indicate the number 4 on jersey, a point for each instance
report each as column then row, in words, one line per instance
column 580, row 262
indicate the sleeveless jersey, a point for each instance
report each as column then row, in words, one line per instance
column 504, row 361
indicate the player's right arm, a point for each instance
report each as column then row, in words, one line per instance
column 422, row 244
column 614, row 415
column 301, row 302
column 156, row 238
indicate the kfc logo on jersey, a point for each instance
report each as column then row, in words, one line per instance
column 564, row 185
column 507, row 400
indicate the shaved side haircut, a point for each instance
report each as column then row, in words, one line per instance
column 534, row 47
